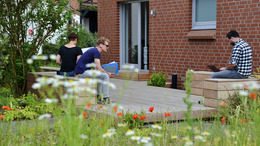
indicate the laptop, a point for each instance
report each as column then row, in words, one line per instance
column 213, row 68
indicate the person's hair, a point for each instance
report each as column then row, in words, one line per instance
column 102, row 40
column 73, row 36
column 232, row 33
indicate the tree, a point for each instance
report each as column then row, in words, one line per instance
column 45, row 16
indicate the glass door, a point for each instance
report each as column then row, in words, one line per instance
column 134, row 34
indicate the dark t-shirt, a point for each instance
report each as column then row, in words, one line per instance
column 86, row 58
column 69, row 58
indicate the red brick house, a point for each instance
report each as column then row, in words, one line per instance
column 177, row 35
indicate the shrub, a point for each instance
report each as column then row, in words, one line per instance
column 157, row 79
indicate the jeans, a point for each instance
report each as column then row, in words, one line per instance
column 228, row 74
column 69, row 74
column 104, row 87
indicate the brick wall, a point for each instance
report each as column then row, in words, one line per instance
column 74, row 4
column 170, row 50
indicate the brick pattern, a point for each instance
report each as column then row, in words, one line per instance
column 74, row 4
column 170, row 49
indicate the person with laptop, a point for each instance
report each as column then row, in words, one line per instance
column 240, row 66
column 92, row 55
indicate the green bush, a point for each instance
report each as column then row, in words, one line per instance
column 157, row 79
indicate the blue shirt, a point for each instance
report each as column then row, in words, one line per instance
column 86, row 58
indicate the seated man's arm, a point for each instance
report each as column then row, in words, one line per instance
column 58, row 59
column 230, row 66
column 97, row 62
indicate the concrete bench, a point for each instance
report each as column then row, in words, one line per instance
column 216, row 90
column 197, row 82
column 84, row 96
column 48, row 69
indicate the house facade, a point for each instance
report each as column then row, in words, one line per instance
column 176, row 35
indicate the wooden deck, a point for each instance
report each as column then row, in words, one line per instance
column 136, row 96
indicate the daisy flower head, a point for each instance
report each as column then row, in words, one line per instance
column 129, row 132
column 121, row 125
column 156, row 126
column 136, row 138
column 145, row 139
column 205, row 133
column 29, row 61
column 174, row 137
column 41, row 117
column 243, row 93
column 52, row 57
column 128, row 67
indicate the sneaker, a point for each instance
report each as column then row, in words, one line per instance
column 199, row 102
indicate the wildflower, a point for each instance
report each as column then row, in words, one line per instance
column 85, row 115
column 83, row 136
column 156, row 126
column 156, row 134
column 188, row 142
column 29, row 61
column 167, row 114
column 145, row 139
column 142, row 117
column 9, row 109
column 48, row 100
column 243, row 93
column 174, row 137
column 53, row 57
column 135, row 138
column 91, row 65
column 36, row 86
column 119, row 114
column 223, row 119
column 93, row 73
column 205, row 133
column 128, row 67
column 115, row 108
column 2, row 116
column 244, row 121
column 253, row 86
column 44, row 116
column 135, row 117
column 5, row 107
column 222, row 104
column 245, row 85
column 199, row 137
column 108, row 134
column 136, row 70
column 253, row 96
column 129, row 132
column 89, row 104
column 151, row 109
column 100, row 107
column 121, row 125
column 101, row 124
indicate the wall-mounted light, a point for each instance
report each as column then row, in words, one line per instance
column 153, row 12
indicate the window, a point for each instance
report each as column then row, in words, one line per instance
column 204, row 14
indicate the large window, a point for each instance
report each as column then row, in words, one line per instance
column 204, row 14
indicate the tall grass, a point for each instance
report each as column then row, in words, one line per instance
column 76, row 125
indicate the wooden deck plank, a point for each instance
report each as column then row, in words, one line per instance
column 137, row 97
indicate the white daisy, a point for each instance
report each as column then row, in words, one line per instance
column 36, row 86
column 128, row 67
column 129, row 132
column 156, row 126
column 243, row 93
column 53, row 57
column 145, row 139
column 29, row 61
column 121, row 125
column 205, row 133
column 83, row 136
column 174, row 137
column 48, row 100
column 44, row 116
column 135, row 138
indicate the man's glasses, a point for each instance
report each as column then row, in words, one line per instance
column 107, row 46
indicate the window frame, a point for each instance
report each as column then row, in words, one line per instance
column 200, row 25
